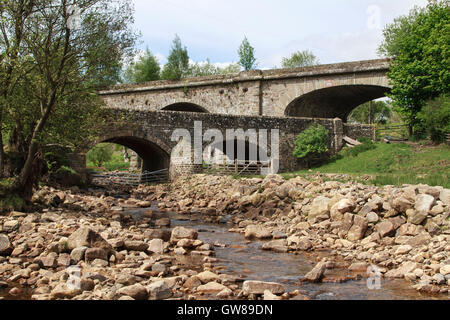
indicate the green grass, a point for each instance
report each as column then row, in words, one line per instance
column 115, row 164
column 392, row 164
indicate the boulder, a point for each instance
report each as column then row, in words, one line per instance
column 401, row 204
column 424, row 203
column 385, row 228
column 358, row 229
column 5, row 246
column 444, row 196
column 258, row 287
column 159, row 290
column 257, row 232
column 279, row 245
column 85, row 237
column 211, row 287
column 136, row 291
column 95, row 253
column 157, row 246
column 135, row 245
column 207, row 276
column 343, row 206
column 316, row 274
column 319, row 207
column 179, row 233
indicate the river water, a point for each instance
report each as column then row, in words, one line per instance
column 246, row 260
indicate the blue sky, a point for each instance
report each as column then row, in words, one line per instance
column 335, row 30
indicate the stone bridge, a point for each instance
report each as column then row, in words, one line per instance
column 149, row 134
column 325, row 91
column 289, row 100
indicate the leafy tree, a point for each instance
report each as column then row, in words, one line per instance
column 312, row 143
column 100, row 154
column 53, row 69
column 300, row 59
column 177, row 66
column 435, row 118
column 207, row 69
column 146, row 68
column 381, row 112
column 247, row 55
column 419, row 43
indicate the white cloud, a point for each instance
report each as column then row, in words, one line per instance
column 333, row 30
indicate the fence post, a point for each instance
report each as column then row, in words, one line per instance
column 235, row 166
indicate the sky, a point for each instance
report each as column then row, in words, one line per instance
column 334, row 30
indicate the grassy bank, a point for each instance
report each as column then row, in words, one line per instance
column 392, row 164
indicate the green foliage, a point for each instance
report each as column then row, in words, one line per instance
column 177, row 66
column 100, row 154
column 208, row 69
column 381, row 113
column 146, row 68
column 312, row 142
column 419, row 43
column 435, row 118
column 300, row 59
column 51, row 72
column 247, row 55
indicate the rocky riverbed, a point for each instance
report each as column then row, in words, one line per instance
column 102, row 244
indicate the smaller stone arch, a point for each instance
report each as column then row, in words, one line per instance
column 185, row 107
column 154, row 153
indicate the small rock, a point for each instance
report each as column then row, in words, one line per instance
column 136, row 291
column 159, row 290
column 316, row 274
column 258, row 287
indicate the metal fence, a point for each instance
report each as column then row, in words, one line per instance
column 131, row 179
column 237, row 167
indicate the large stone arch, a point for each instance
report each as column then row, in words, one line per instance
column 334, row 101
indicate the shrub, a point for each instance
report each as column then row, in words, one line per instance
column 100, row 154
column 435, row 118
column 313, row 142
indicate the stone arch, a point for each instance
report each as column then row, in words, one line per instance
column 334, row 101
column 185, row 107
column 154, row 153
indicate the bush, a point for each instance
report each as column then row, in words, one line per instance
column 313, row 142
column 100, row 154
column 435, row 118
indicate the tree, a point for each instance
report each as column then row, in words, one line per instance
column 57, row 70
column 146, row 68
column 207, row 69
column 177, row 66
column 100, row 154
column 381, row 112
column 247, row 55
column 300, row 59
column 435, row 118
column 419, row 44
